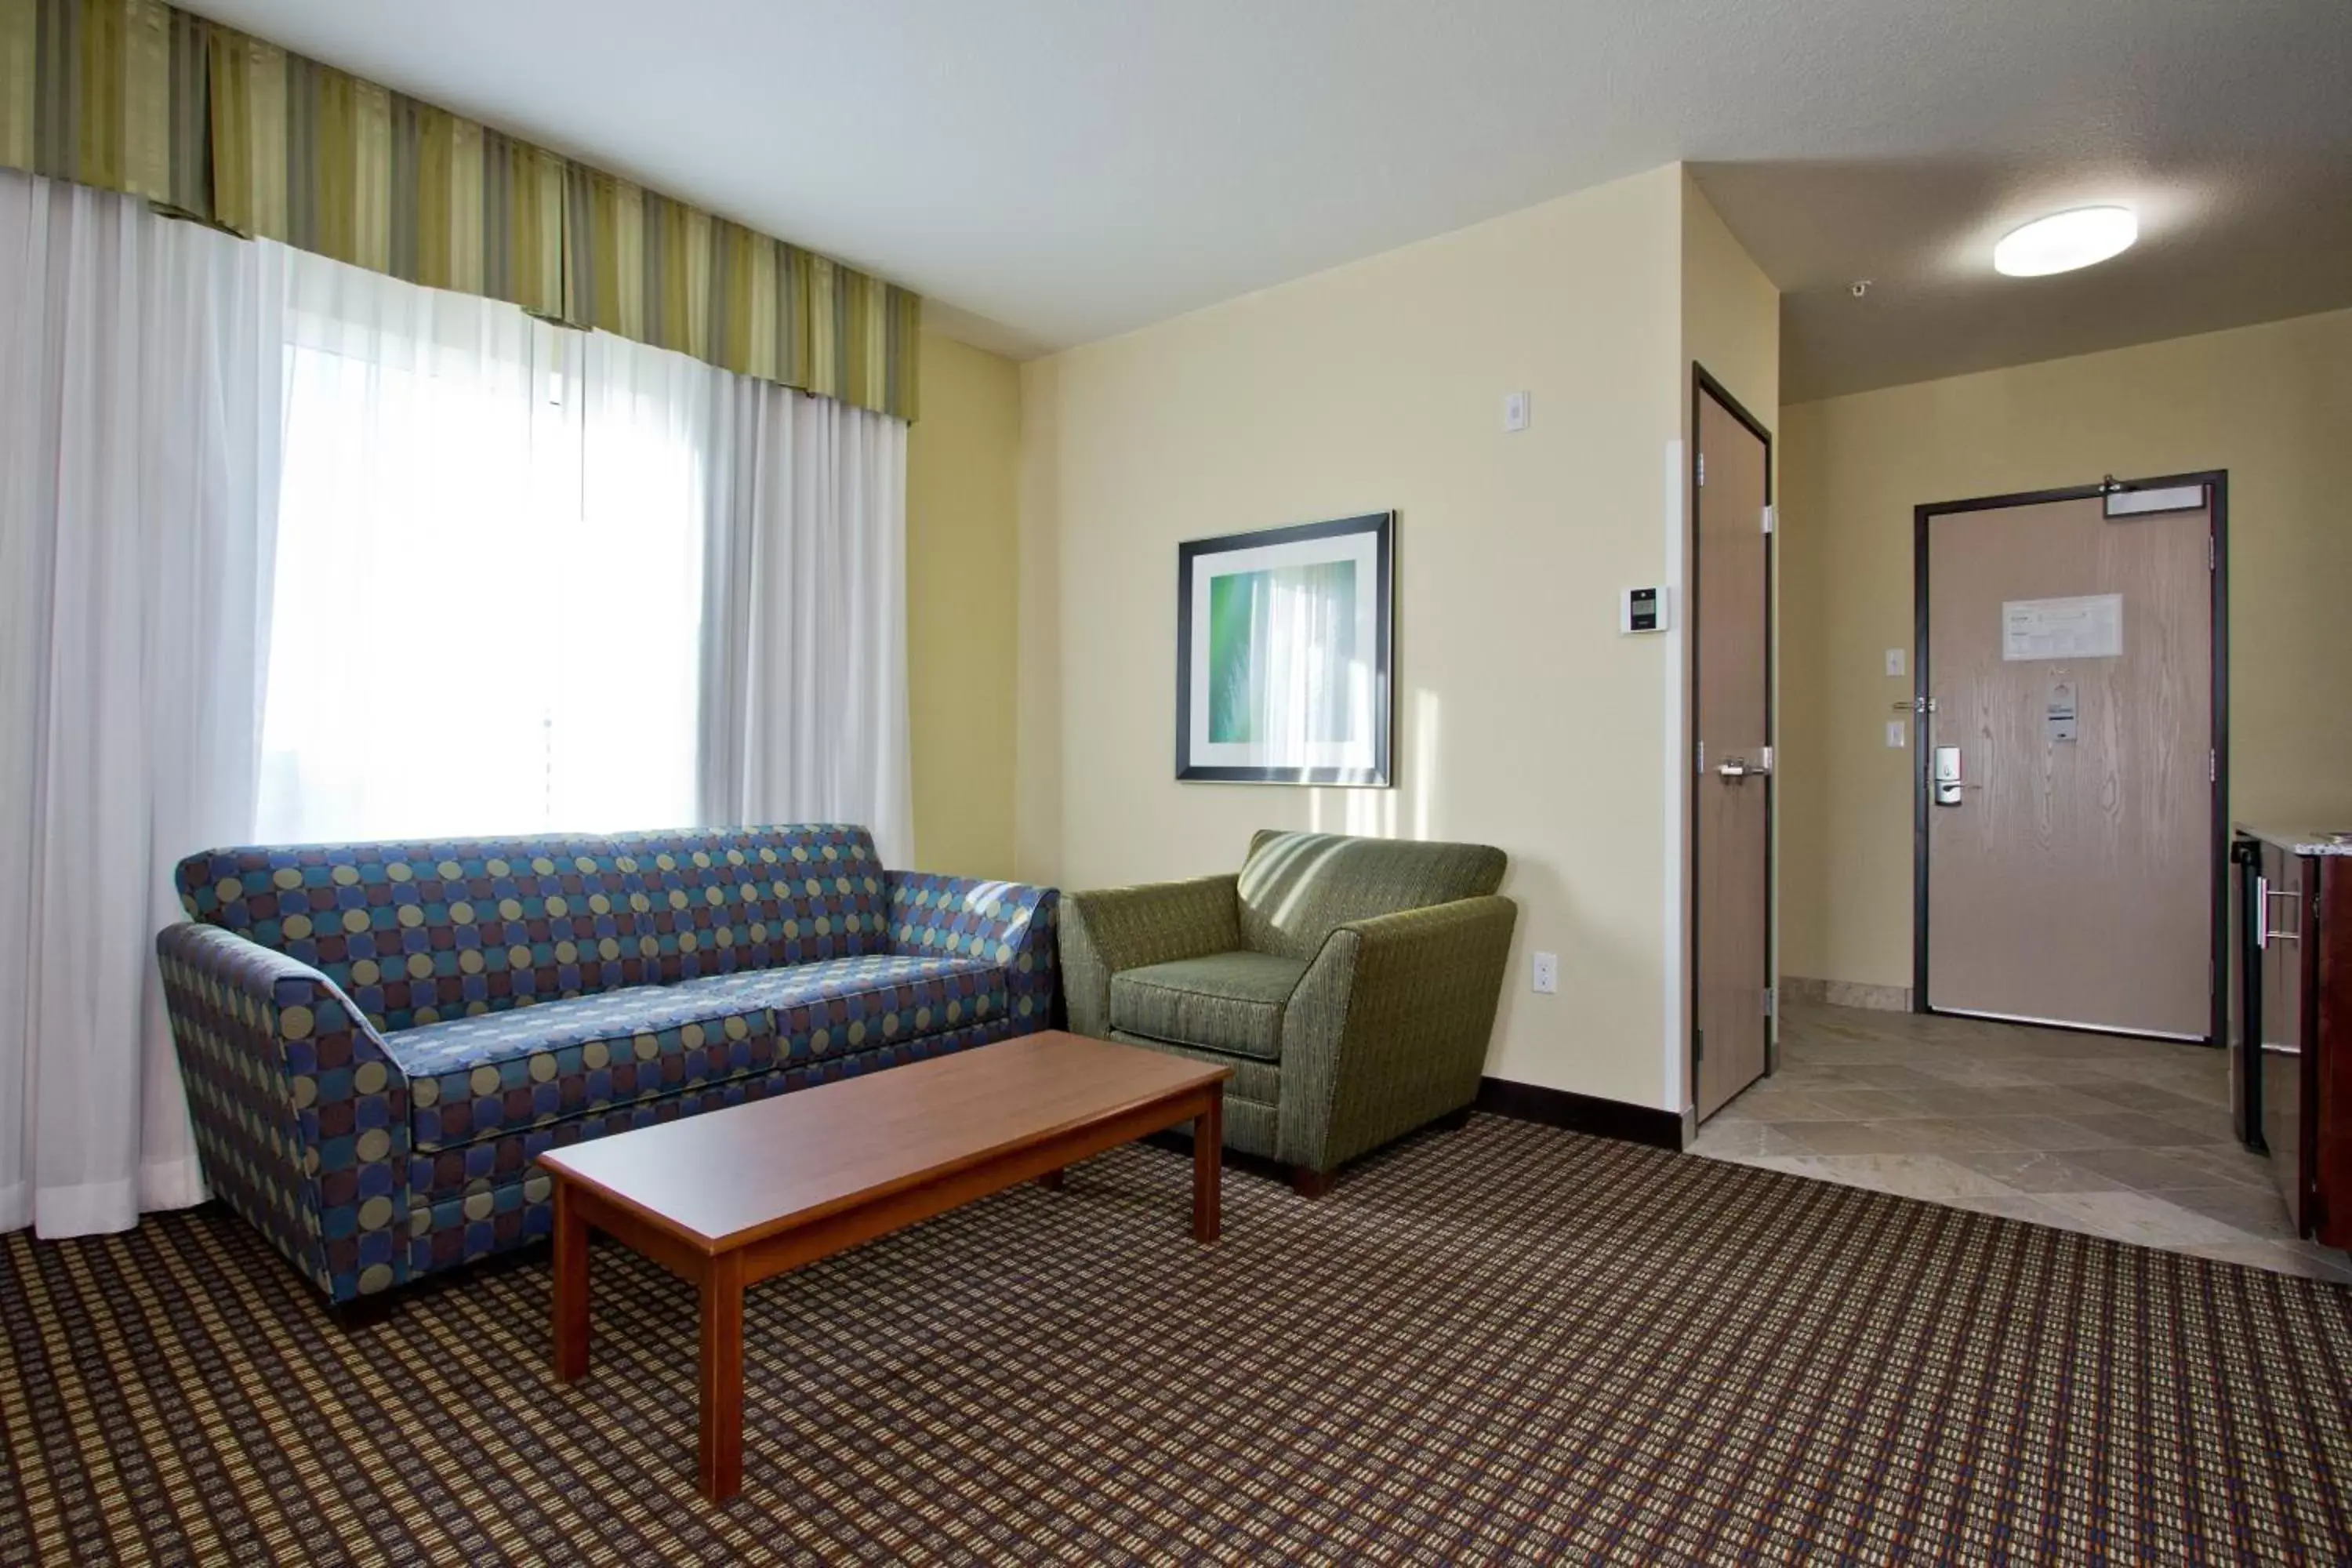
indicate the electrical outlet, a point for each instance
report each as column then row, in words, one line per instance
column 1547, row 972
column 1898, row 733
column 1895, row 661
column 1515, row 411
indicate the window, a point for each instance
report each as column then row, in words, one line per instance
column 488, row 571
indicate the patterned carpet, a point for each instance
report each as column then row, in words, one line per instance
column 1504, row 1344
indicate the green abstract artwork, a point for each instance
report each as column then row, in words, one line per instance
column 1282, row 654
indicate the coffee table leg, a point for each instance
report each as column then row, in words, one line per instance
column 720, row 1453
column 1052, row 1180
column 571, row 1285
column 1208, row 1165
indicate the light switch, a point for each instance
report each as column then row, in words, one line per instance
column 1895, row 661
column 1898, row 733
column 1515, row 411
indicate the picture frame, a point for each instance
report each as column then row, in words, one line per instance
column 1284, row 645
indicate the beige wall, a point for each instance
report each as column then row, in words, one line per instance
column 2272, row 404
column 1523, row 718
column 962, row 462
column 1731, row 312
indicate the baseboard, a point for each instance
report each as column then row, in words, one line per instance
column 1581, row 1112
column 1846, row 994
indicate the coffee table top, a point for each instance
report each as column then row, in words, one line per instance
column 725, row 1177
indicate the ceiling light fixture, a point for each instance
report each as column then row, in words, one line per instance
column 2065, row 241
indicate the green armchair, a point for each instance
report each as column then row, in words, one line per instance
column 1350, row 983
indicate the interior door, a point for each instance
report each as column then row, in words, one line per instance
column 2069, row 782
column 1732, row 795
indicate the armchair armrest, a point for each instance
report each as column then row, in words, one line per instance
column 1127, row 928
column 1389, row 1028
column 1010, row 923
column 301, row 1114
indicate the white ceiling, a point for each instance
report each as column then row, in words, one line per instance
column 1049, row 172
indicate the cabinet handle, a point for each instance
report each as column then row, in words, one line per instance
column 2264, row 932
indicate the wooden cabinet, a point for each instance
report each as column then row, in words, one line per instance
column 2291, row 1020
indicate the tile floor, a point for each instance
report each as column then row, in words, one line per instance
column 2122, row 1138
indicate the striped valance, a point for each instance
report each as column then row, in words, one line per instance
column 137, row 95
column 648, row 267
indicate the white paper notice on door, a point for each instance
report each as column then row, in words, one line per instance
column 2087, row 627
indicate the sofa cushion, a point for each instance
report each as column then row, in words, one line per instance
column 480, row 1076
column 1226, row 1001
column 820, row 1011
column 722, row 900
column 418, row 932
column 424, row 932
column 434, row 929
column 1296, row 887
column 468, row 1172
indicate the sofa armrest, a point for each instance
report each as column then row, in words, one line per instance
column 1390, row 1025
column 1125, row 927
column 1009, row 923
column 299, row 1112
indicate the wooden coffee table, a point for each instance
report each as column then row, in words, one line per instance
column 733, row 1196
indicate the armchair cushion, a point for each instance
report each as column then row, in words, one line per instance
column 1296, row 889
column 1226, row 1001
column 1117, row 929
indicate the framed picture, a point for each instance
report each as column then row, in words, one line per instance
column 1283, row 641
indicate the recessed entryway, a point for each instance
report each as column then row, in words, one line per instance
column 2120, row 1138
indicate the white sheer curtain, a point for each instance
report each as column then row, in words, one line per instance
column 804, row 669
column 139, row 387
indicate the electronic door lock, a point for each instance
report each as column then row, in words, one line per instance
column 1948, row 775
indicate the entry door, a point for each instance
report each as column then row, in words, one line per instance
column 2068, row 660
column 1732, row 795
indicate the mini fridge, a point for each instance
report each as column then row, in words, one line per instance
column 2290, row 1035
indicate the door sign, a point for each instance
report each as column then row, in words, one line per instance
column 2087, row 627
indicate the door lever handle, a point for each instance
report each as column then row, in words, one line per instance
column 1735, row 769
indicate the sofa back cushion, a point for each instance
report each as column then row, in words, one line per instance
column 1296, row 887
column 717, row 901
column 419, row 932
column 414, row 932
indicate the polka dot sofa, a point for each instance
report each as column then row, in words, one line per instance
column 379, row 1040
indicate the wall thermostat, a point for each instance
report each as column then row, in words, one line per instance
column 1643, row 610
